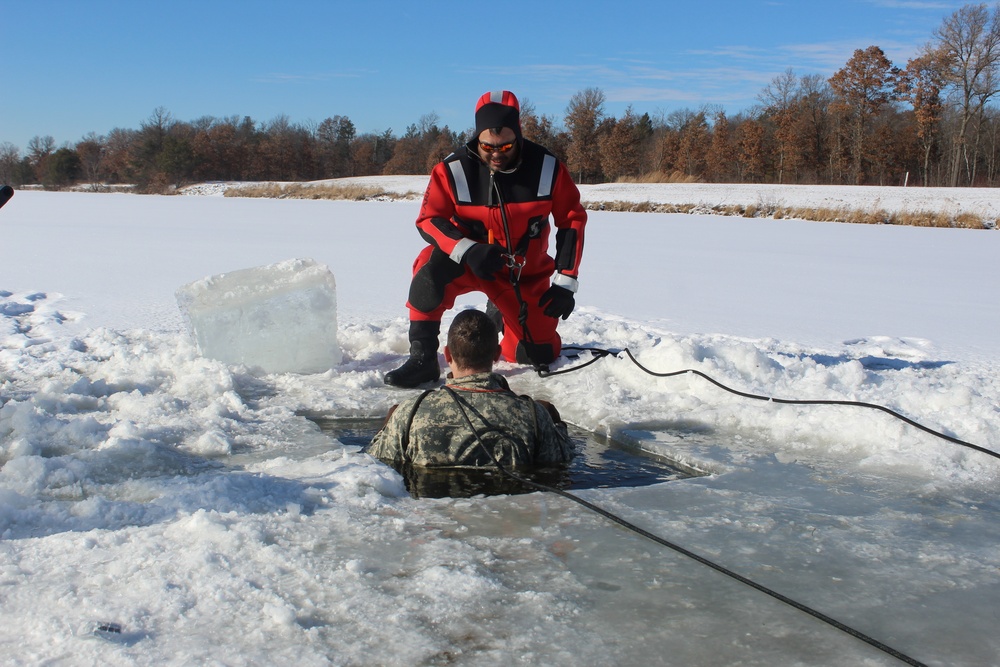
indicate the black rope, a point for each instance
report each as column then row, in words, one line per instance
column 600, row 354
column 857, row 634
column 514, row 272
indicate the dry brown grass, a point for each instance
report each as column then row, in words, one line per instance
column 760, row 209
column 765, row 210
column 923, row 219
column 306, row 191
column 968, row 221
column 661, row 177
column 638, row 207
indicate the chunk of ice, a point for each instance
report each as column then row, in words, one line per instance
column 281, row 318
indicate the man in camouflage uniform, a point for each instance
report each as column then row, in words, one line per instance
column 430, row 430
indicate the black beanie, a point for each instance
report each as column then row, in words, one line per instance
column 499, row 109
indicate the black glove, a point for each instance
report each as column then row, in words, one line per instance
column 484, row 259
column 557, row 302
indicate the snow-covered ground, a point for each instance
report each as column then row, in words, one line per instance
column 189, row 504
column 981, row 201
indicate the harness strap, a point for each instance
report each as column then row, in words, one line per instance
column 409, row 422
column 492, row 427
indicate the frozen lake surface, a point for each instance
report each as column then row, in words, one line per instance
column 193, row 506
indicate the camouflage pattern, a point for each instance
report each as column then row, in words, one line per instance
column 429, row 430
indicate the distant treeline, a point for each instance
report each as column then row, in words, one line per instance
column 931, row 122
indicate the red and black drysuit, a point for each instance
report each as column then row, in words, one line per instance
column 464, row 202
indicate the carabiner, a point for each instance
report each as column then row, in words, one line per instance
column 515, row 266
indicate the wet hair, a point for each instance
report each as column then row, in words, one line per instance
column 473, row 340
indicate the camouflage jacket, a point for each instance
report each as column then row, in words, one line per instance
column 429, row 430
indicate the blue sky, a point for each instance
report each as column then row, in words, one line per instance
column 70, row 68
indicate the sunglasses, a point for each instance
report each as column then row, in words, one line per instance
column 496, row 148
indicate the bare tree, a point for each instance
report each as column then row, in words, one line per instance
column 39, row 150
column 968, row 50
column 334, row 137
column 91, row 152
column 10, row 156
column 780, row 100
column 814, row 117
column 583, row 117
column 428, row 123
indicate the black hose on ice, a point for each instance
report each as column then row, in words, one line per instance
column 600, row 354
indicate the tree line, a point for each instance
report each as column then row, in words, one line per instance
column 930, row 122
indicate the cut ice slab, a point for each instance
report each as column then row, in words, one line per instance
column 280, row 318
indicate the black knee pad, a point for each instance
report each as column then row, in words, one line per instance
column 429, row 282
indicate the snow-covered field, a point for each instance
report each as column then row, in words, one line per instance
column 189, row 505
column 981, row 201
column 984, row 202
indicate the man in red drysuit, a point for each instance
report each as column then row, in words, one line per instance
column 485, row 216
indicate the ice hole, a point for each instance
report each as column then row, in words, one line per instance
column 601, row 462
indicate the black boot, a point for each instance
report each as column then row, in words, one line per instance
column 422, row 366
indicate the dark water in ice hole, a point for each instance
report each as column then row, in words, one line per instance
column 601, row 462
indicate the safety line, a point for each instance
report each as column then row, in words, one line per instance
column 600, row 354
column 871, row 641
